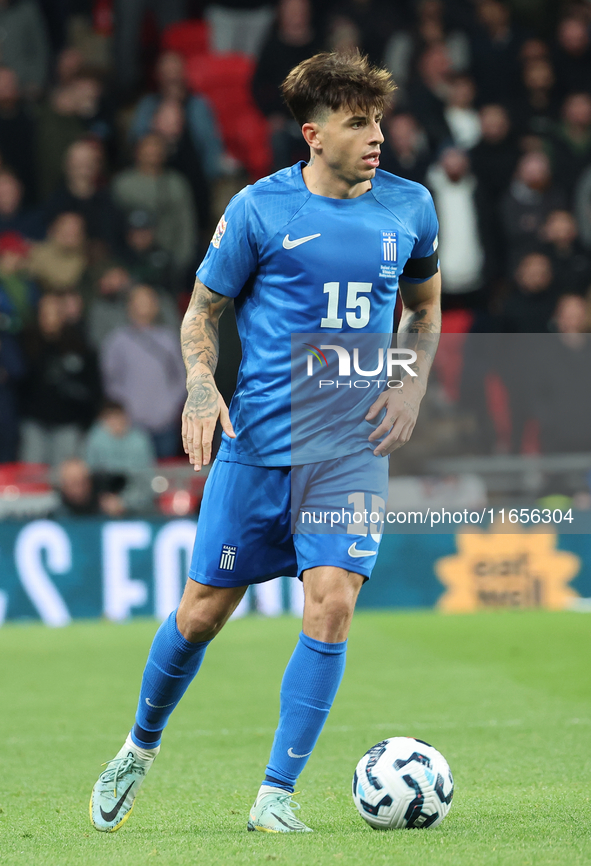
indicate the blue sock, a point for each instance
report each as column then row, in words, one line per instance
column 172, row 663
column 311, row 680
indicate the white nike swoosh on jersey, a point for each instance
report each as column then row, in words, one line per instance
column 357, row 553
column 289, row 245
column 292, row 754
column 158, row 706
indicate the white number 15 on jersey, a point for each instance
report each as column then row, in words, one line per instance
column 361, row 305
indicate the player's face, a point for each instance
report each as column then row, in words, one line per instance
column 350, row 144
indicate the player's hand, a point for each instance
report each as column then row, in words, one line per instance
column 203, row 408
column 401, row 412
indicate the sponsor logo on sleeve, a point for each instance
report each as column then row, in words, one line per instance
column 219, row 232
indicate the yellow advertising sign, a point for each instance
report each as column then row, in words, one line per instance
column 514, row 570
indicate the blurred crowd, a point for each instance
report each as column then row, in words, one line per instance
column 126, row 125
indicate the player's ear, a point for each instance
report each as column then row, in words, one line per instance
column 310, row 133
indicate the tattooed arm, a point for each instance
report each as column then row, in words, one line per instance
column 200, row 347
column 419, row 329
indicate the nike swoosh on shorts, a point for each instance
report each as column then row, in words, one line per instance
column 356, row 554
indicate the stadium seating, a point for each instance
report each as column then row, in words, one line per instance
column 189, row 38
column 179, row 488
column 225, row 80
column 25, row 490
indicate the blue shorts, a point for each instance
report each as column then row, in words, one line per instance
column 257, row 523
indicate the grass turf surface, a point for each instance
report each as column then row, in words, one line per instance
column 505, row 697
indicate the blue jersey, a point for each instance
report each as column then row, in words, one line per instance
column 299, row 263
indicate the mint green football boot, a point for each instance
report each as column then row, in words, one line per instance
column 273, row 813
column 114, row 794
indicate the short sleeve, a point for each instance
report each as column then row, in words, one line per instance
column 232, row 256
column 426, row 243
column 423, row 262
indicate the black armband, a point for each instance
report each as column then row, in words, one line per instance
column 421, row 269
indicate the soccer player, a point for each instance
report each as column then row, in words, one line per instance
column 315, row 249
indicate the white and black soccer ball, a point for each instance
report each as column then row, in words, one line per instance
column 403, row 782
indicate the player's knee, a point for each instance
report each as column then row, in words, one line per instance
column 332, row 607
column 202, row 620
column 201, row 625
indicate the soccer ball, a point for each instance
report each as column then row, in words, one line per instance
column 403, row 782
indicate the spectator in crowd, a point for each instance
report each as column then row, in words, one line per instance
column 461, row 249
column 17, row 134
column 429, row 93
column 73, row 311
column 60, row 124
column 165, row 193
column 493, row 162
column 69, row 66
column 529, row 307
column 494, row 158
column 433, row 26
column 570, row 146
column 81, row 192
column 342, row 34
column 525, row 206
column 572, row 55
column 18, row 294
column 145, row 261
column 436, row 26
column 570, row 263
column 12, row 370
column 460, row 115
column 129, row 15
column 559, row 375
column 108, row 308
column 292, row 40
column 61, row 390
column 77, row 490
column 405, row 150
column 25, row 46
column 59, row 263
column 13, row 216
column 373, row 20
column 533, row 49
column 121, row 457
column 170, row 75
column 143, row 370
column 170, row 123
column 239, row 25
column 495, row 52
column 536, row 109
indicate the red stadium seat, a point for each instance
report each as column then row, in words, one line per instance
column 24, row 478
column 225, row 80
column 25, row 491
column 188, row 38
column 180, row 488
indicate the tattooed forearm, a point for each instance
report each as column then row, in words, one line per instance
column 419, row 330
column 425, row 320
column 199, row 335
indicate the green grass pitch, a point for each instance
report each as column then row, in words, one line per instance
column 506, row 697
